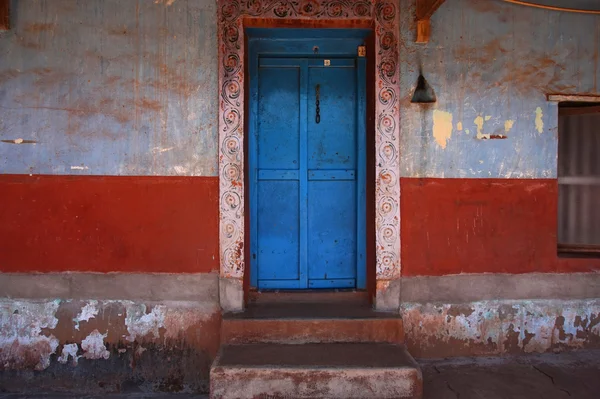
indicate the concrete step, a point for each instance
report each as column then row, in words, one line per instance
column 297, row 323
column 356, row 370
column 348, row 297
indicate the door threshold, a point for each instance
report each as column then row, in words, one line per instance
column 346, row 296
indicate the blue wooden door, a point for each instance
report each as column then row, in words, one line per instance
column 307, row 173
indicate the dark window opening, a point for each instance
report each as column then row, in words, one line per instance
column 579, row 178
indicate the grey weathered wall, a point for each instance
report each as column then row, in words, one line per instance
column 491, row 65
column 109, row 87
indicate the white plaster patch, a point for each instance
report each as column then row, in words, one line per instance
column 69, row 350
column 139, row 323
column 22, row 344
column 93, row 346
column 89, row 311
column 173, row 318
column 75, row 167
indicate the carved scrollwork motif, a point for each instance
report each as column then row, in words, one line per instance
column 384, row 14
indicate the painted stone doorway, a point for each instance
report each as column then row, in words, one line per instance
column 236, row 15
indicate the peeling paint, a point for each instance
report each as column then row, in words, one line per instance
column 23, row 345
column 73, row 338
column 89, row 311
column 159, row 150
column 479, row 123
column 165, row 2
column 497, row 327
column 30, row 331
column 93, row 346
column 141, row 323
column 79, row 168
column 69, row 351
column 180, row 170
column 508, row 125
column 539, row 122
column 442, row 127
column 459, row 126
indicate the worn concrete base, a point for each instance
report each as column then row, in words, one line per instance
column 500, row 327
column 460, row 288
column 199, row 287
column 387, row 298
column 549, row 376
column 231, row 294
column 158, row 369
column 111, row 346
column 310, row 323
column 107, row 346
column 315, row 371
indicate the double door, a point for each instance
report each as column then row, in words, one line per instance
column 307, row 173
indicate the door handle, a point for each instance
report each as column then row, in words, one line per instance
column 318, row 104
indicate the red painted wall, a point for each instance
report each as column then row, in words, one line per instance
column 452, row 226
column 170, row 224
column 105, row 224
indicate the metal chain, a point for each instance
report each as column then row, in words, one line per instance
column 318, row 104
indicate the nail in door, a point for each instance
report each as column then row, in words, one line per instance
column 307, row 183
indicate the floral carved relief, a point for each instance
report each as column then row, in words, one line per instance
column 384, row 14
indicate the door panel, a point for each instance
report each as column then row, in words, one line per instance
column 332, row 160
column 332, row 141
column 279, row 230
column 279, row 122
column 331, row 230
column 306, row 177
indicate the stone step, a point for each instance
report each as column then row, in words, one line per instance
column 297, row 323
column 348, row 370
column 348, row 297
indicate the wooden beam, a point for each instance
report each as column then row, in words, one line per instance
column 591, row 9
column 4, row 14
column 425, row 9
column 574, row 98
